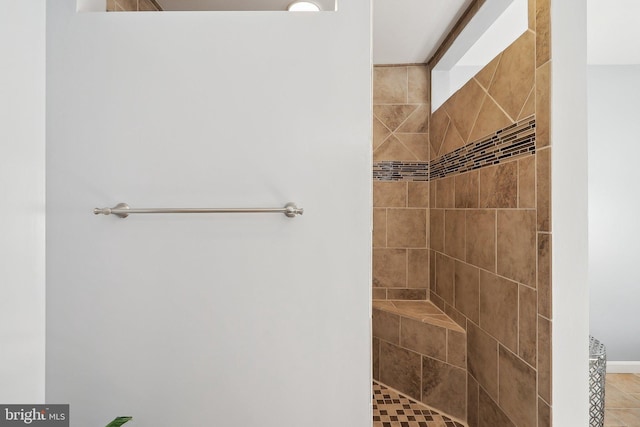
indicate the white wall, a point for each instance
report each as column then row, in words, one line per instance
column 209, row 320
column 569, row 214
column 614, row 229
column 22, row 202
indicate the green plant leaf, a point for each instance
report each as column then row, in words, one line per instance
column 118, row 421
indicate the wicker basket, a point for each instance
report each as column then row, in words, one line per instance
column 597, row 372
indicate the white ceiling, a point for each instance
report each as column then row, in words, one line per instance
column 410, row 31
column 404, row 31
column 238, row 4
column 613, row 32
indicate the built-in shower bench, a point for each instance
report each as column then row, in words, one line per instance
column 421, row 352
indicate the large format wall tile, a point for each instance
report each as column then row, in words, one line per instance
column 527, row 324
column 380, row 133
column 452, row 140
column 418, row 268
column 499, row 308
column 517, row 245
column 467, row 290
column 490, row 118
column 375, row 350
column 515, row 76
column 483, row 359
column 418, row 85
column 517, row 390
column 444, row 387
column 393, row 149
column 463, row 107
column 389, row 268
column 407, row 228
column 543, row 31
column 400, row 369
column 386, row 326
column 417, row 143
column 457, row 349
column 543, row 105
column 445, row 272
column 417, row 122
column 472, row 401
column 418, row 194
column 406, row 294
column 529, row 108
column 527, row 182
column 379, row 228
column 439, row 124
column 544, row 414
column 485, row 76
column 392, row 116
column 389, row 194
column 499, row 186
column 390, row 85
column 424, row 338
column 544, row 189
column 445, row 193
column 544, row 275
column 544, row 358
column 481, row 238
column 466, row 190
column 489, row 414
column 454, row 233
column 436, row 226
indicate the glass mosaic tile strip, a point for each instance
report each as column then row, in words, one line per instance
column 401, row 171
column 516, row 140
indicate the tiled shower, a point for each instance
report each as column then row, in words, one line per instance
column 462, row 239
column 462, row 225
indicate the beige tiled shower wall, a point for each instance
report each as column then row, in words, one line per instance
column 132, row 6
column 490, row 240
column 400, row 133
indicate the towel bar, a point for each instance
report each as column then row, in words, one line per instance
column 123, row 210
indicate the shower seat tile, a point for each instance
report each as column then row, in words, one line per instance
column 423, row 311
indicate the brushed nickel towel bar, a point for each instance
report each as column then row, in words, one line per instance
column 123, row 210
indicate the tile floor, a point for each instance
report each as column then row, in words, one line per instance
column 392, row 409
column 622, row 400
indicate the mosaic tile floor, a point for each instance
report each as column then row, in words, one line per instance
column 392, row 409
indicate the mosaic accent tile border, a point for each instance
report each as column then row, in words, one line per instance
column 401, row 171
column 516, row 140
column 392, row 409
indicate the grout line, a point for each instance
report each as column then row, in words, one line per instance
column 475, row 119
column 545, row 318
column 407, row 74
column 495, row 239
column 518, row 184
column 518, row 326
column 531, row 93
column 444, row 135
column 386, row 227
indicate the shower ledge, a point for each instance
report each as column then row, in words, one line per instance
column 423, row 311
